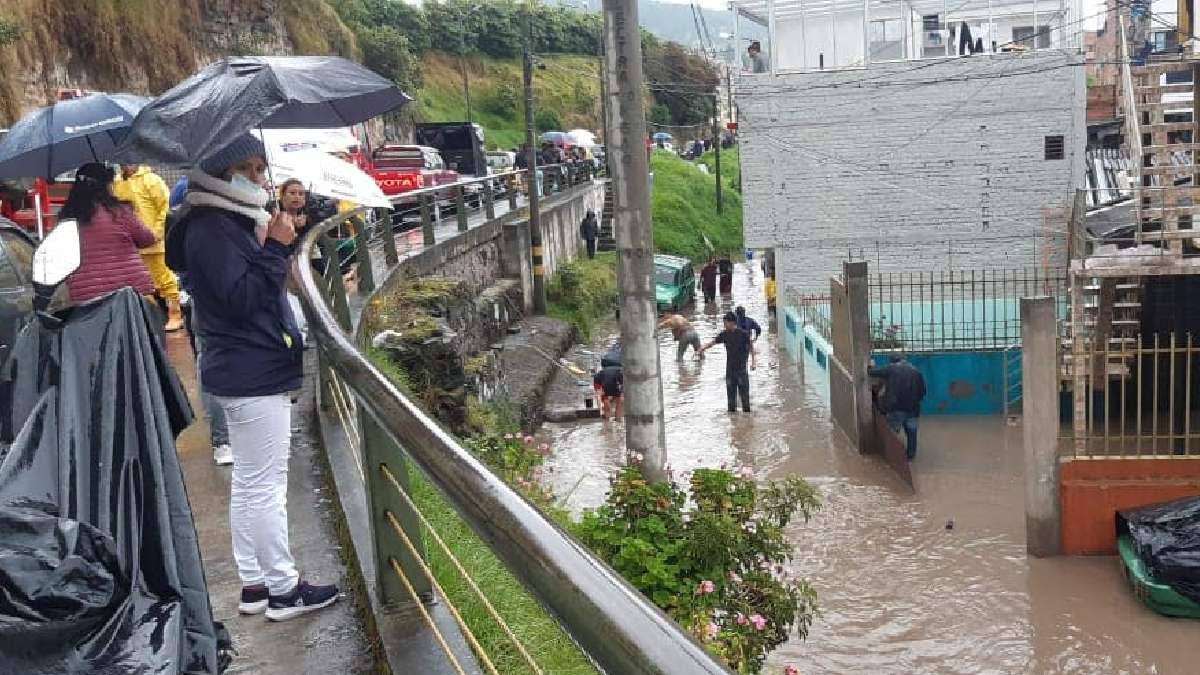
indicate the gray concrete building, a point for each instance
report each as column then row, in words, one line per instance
column 934, row 158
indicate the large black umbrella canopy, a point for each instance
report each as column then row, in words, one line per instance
column 205, row 112
column 69, row 133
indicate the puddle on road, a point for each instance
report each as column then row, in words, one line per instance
column 899, row 592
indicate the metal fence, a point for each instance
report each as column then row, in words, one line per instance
column 814, row 311
column 612, row 622
column 1136, row 399
column 956, row 309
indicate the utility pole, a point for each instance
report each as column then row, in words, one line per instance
column 462, row 64
column 603, row 92
column 535, row 216
column 729, row 94
column 716, row 131
column 645, row 433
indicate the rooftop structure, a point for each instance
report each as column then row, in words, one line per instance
column 808, row 35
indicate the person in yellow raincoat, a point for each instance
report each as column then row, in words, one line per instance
column 770, row 290
column 150, row 198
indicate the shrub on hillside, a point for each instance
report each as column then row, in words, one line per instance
column 504, row 100
column 547, row 120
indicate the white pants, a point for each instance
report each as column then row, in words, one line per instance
column 260, row 433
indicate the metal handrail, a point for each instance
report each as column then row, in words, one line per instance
column 435, row 190
column 613, row 623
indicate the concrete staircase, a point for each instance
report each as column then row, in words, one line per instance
column 607, row 240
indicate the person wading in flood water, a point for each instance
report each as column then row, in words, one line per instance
column 609, row 383
column 738, row 348
column 904, row 387
column 708, row 280
column 685, row 335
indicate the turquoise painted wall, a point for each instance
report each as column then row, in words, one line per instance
column 961, row 383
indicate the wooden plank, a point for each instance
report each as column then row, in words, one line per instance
column 1171, row 147
column 1153, row 89
column 1166, row 127
column 1170, row 235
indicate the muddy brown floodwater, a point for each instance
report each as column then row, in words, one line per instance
column 899, row 591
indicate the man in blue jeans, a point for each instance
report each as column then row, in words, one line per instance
column 904, row 387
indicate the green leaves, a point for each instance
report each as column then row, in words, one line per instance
column 715, row 565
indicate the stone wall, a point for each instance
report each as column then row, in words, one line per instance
column 911, row 166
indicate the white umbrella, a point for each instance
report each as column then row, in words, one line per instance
column 582, row 137
column 331, row 140
column 326, row 175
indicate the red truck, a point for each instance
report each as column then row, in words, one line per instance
column 402, row 168
column 19, row 199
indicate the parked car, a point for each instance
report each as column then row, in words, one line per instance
column 501, row 161
column 16, row 290
column 674, row 282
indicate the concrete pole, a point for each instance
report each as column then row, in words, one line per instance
column 858, row 298
column 630, row 165
column 1039, row 409
column 535, row 215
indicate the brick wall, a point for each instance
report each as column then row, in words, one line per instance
column 924, row 165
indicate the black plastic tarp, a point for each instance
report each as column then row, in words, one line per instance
column 1167, row 539
column 100, row 568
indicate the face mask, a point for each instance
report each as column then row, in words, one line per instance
column 242, row 183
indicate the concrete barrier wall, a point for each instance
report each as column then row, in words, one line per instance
column 499, row 248
column 958, row 383
column 1092, row 490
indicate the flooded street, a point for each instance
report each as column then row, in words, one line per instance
column 935, row 581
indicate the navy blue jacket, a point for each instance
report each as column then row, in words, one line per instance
column 240, row 291
column 749, row 325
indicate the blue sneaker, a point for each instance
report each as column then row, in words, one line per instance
column 303, row 599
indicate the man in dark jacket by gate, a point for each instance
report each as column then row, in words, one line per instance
column 904, row 387
column 589, row 230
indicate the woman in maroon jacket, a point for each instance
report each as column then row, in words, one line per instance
column 110, row 235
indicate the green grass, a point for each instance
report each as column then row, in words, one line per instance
column 583, row 291
column 731, row 167
column 569, row 85
column 551, row 648
column 684, row 208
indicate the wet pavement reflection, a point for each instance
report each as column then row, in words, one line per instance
column 931, row 581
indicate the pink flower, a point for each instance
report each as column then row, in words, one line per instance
column 705, row 587
column 791, row 670
column 711, row 630
column 734, row 578
column 529, row 440
column 544, row 448
column 741, row 619
column 758, row 621
column 745, row 472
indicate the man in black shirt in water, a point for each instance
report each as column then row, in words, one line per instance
column 738, row 349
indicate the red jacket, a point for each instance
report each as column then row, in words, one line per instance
column 108, row 255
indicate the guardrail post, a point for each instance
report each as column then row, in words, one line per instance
column 390, row 255
column 337, row 287
column 427, row 221
column 460, row 207
column 379, row 450
column 362, row 255
column 513, row 182
column 489, row 200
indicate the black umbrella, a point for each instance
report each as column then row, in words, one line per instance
column 203, row 113
column 63, row 136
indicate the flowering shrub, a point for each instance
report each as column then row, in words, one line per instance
column 714, row 564
column 516, row 458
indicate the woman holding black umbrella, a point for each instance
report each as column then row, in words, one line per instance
column 237, row 257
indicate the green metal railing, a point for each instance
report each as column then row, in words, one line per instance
column 613, row 623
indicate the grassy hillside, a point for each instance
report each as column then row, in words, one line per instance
column 569, row 86
column 684, row 206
